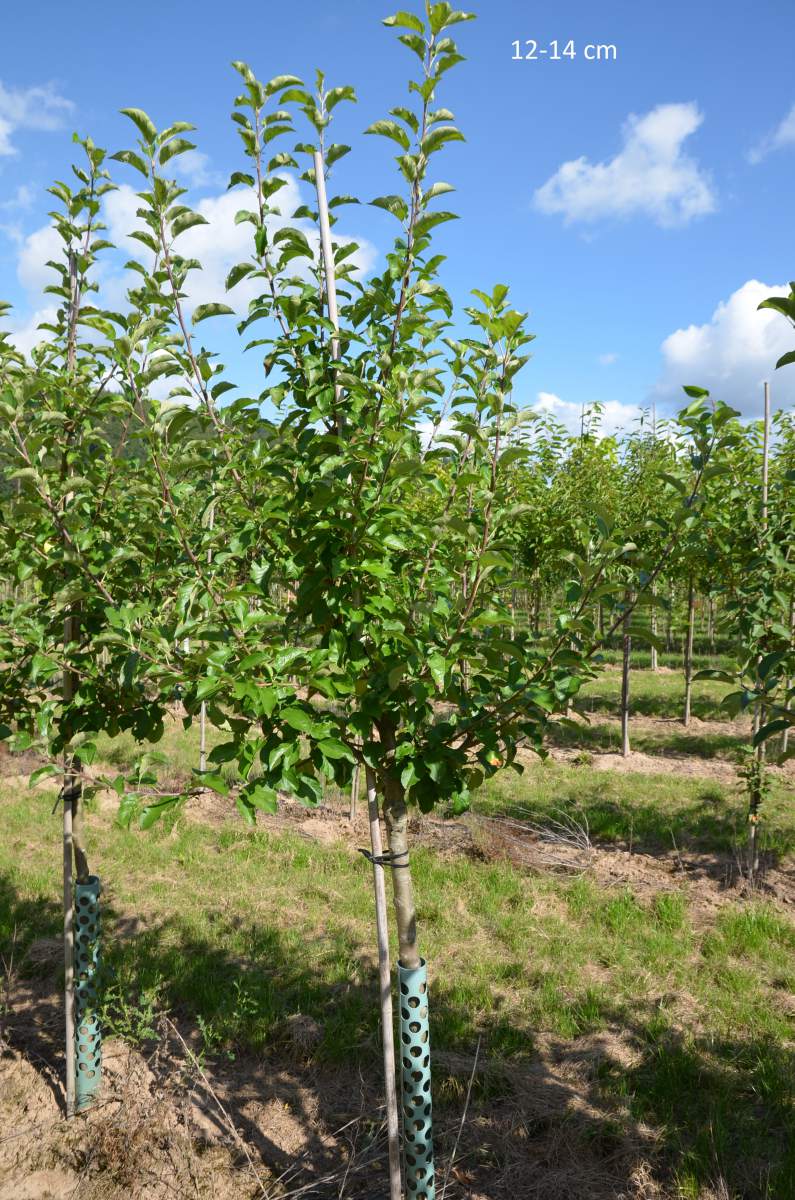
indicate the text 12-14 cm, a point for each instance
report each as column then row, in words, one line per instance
column 556, row 51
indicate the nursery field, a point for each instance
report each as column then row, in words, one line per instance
column 612, row 1001
column 396, row 774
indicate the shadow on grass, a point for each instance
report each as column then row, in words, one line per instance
column 675, row 740
column 648, row 704
column 623, row 1093
column 711, row 821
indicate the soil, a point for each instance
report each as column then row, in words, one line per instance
column 170, row 1126
column 171, row 1123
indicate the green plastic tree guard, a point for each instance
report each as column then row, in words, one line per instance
column 88, row 1038
column 415, row 1057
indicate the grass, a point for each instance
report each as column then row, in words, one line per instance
column 643, row 810
column 728, row 744
column 654, row 694
column 240, row 930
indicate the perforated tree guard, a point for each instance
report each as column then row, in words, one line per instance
column 415, row 1058
column 88, row 1038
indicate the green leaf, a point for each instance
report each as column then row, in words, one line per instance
column 216, row 783
column 439, row 136
column 392, row 130
column 132, row 160
column 405, row 20
column 144, row 124
column 297, row 718
column 207, row 687
column 174, row 147
column 238, row 272
column 211, row 310
column 771, row 728
column 331, row 748
column 261, row 796
column 437, row 667
column 41, row 664
column 45, row 772
column 185, row 221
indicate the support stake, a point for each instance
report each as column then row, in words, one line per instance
column 385, row 984
column 69, row 957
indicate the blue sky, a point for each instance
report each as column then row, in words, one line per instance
column 639, row 208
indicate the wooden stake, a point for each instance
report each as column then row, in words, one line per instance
column 69, row 957
column 385, row 983
column 625, row 685
column 765, row 455
column 691, row 621
column 354, row 793
column 328, row 266
column 379, row 887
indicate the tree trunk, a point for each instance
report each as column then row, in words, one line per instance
column 625, row 684
column 397, row 819
column 789, row 682
column 653, row 620
column 711, row 624
column 691, row 621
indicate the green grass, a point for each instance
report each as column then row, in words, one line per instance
column 240, row 930
column 654, row 694
column 728, row 744
column 647, row 811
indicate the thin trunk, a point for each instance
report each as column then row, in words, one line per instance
column 69, row 958
column 385, row 984
column 789, row 682
column 396, row 816
column 537, row 608
column 653, row 627
column 711, row 624
column 203, row 709
column 625, row 684
column 691, row 621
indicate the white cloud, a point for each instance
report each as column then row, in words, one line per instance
column 38, row 108
column 22, row 198
column 650, row 176
column 25, row 333
column 607, row 360
column 733, row 353
column 615, row 416
column 220, row 244
column 194, row 166
column 37, row 248
column 780, row 137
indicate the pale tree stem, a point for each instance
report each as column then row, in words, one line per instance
column 625, row 665
column 691, row 623
column 385, row 983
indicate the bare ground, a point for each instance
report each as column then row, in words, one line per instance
column 169, row 1126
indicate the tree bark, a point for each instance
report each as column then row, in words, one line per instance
column 397, row 819
column 691, row 621
column 653, row 620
